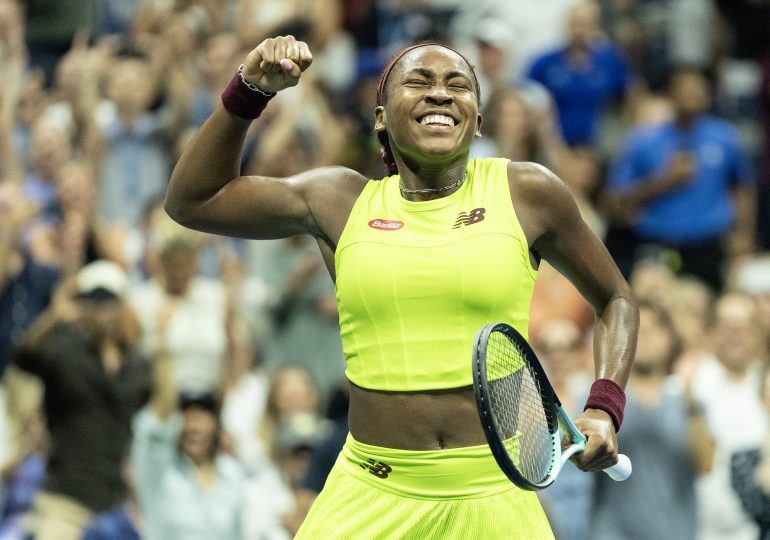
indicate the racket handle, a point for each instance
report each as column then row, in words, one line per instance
column 621, row 470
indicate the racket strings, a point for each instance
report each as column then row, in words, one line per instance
column 517, row 404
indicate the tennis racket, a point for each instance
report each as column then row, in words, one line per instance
column 521, row 413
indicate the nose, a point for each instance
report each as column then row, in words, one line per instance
column 438, row 95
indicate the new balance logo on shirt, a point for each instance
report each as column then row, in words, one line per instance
column 469, row 218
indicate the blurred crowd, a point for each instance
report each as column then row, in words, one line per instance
column 164, row 384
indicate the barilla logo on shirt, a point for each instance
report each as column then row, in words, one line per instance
column 386, row 224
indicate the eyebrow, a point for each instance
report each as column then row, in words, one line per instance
column 427, row 73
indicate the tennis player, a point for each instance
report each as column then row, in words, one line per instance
column 422, row 259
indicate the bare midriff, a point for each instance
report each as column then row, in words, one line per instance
column 431, row 420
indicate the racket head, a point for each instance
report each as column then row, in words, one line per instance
column 517, row 406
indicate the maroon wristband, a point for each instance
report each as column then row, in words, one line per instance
column 609, row 397
column 242, row 101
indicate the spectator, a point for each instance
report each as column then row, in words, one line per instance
column 690, row 305
column 138, row 139
column 323, row 456
column 121, row 523
column 76, row 236
column 188, row 489
column 751, row 472
column 50, row 148
column 753, row 278
column 686, row 184
column 51, row 28
column 245, row 390
column 305, row 317
column 534, row 26
column 292, row 392
column 215, row 63
column 560, row 346
column 24, row 460
column 195, row 309
column 727, row 384
column 584, row 76
column 665, row 434
column 95, row 380
column 26, row 287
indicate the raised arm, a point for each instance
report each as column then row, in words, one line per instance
column 558, row 234
column 206, row 191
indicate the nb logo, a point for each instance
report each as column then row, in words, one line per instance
column 378, row 469
column 469, row 218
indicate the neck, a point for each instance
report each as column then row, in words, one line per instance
column 431, row 177
column 578, row 51
column 685, row 121
column 128, row 117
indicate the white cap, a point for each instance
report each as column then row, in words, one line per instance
column 101, row 280
column 754, row 276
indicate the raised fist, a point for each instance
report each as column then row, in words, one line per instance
column 277, row 63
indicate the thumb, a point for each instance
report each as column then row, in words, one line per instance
column 290, row 68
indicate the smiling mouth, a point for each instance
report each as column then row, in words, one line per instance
column 440, row 121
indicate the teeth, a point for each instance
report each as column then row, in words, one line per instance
column 437, row 119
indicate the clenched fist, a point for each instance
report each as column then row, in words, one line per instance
column 277, row 63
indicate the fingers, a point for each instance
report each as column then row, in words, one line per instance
column 601, row 447
column 598, row 455
column 268, row 56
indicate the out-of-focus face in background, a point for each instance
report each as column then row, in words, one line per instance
column 198, row 439
column 559, row 347
column 218, row 57
column 178, row 265
column 49, row 150
column 131, row 86
column 689, row 92
column 584, row 24
column 77, row 190
column 735, row 333
column 656, row 341
column 101, row 318
column 293, row 392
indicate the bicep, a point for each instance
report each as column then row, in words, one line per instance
column 568, row 244
column 576, row 252
column 260, row 207
column 253, row 207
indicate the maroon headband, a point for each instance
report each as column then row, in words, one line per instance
column 385, row 151
column 401, row 53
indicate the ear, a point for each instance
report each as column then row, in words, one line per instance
column 379, row 118
column 479, row 121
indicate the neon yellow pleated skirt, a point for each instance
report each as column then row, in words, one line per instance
column 376, row 493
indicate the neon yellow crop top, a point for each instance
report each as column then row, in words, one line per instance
column 416, row 280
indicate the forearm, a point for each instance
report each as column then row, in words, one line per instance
column 645, row 191
column 745, row 212
column 699, row 438
column 210, row 160
column 164, row 398
column 615, row 335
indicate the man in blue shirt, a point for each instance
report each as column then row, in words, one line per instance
column 584, row 76
column 685, row 184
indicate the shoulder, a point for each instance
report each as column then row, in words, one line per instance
column 536, row 185
column 543, row 202
column 719, row 128
column 338, row 181
column 608, row 51
column 543, row 61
